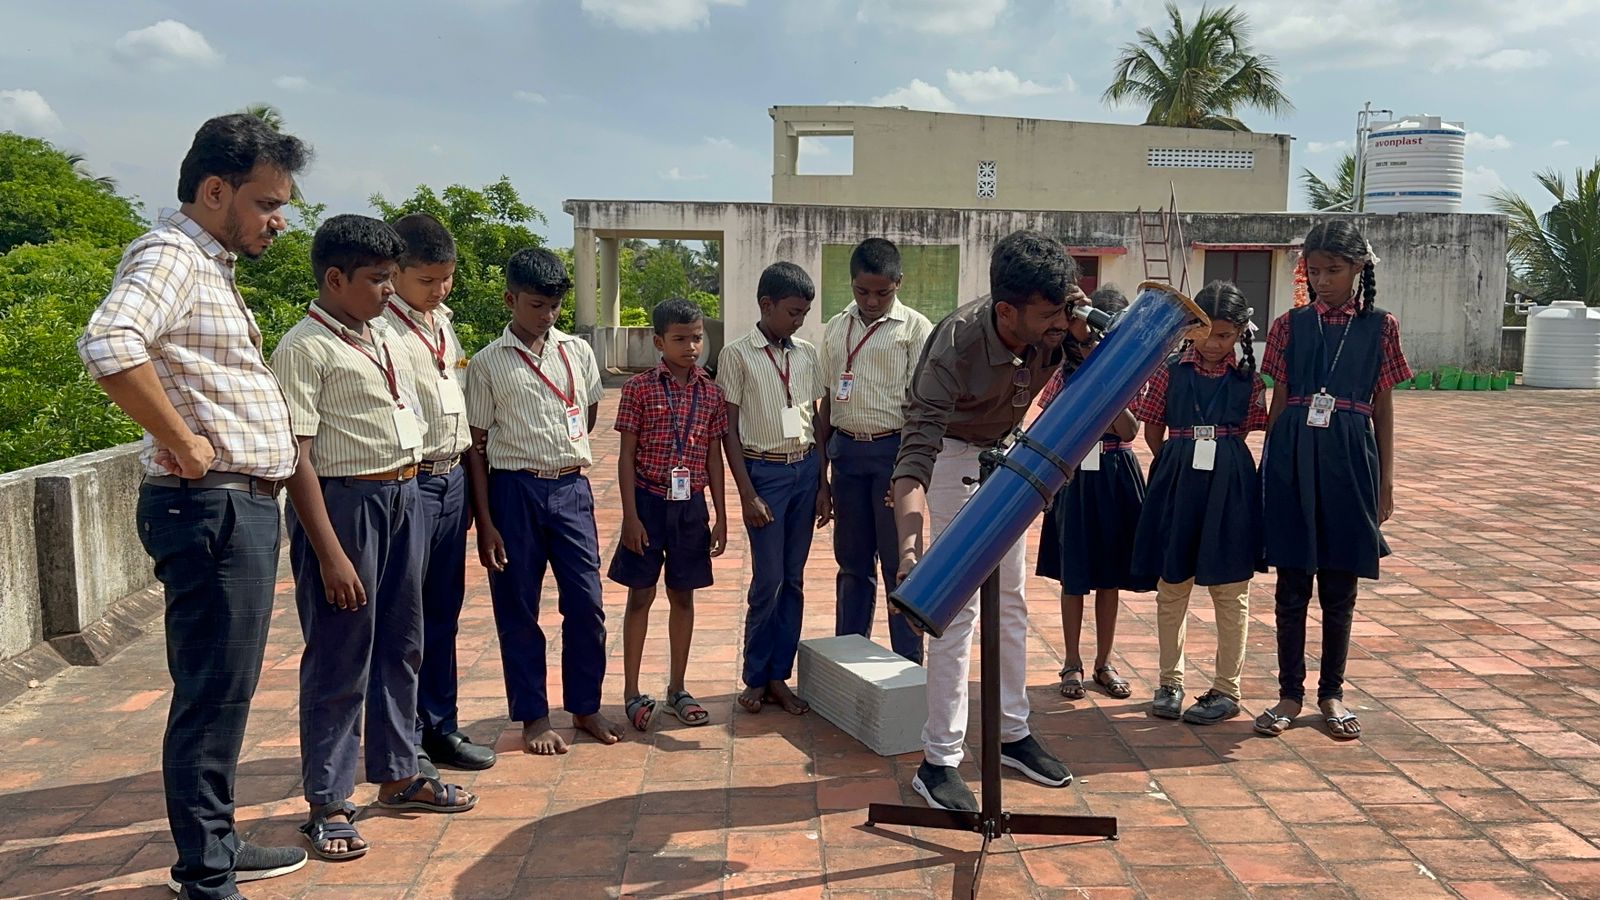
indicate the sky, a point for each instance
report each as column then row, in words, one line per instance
column 668, row 99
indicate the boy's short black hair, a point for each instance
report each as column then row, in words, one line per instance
column 675, row 311
column 428, row 242
column 231, row 147
column 876, row 256
column 1109, row 299
column 785, row 279
column 1026, row 263
column 535, row 270
column 348, row 242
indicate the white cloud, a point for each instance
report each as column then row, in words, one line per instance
column 917, row 95
column 1511, row 60
column 1325, row 146
column 1479, row 181
column 1480, row 141
column 719, row 143
column 655, row 15
column 167, row 44
column 291, row 83
column 27, row 112
column 534, row 97
column 1558, row 143
column 811, row 146
column 674, row 174
column 995, row 83
column 951, row 17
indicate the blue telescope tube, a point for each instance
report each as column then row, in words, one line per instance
column 951, row 571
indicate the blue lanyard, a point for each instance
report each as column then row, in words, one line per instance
column 1327, row 374
column 680, row 436
column 1208, row 417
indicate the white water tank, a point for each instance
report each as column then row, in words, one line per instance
column 1563, row 346
column 1415, row 164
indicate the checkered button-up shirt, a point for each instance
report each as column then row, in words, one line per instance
column 174, row 304
column 662, row 412
column 1391, row 371
column 1151, row 404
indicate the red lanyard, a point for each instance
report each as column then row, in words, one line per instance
column 436, row 352
column 571, row 397
column 386, row 366
column 783, row 373
column 850, row 358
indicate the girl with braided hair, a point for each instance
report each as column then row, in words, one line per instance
column 1328, row 466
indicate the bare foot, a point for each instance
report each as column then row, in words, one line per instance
column 540, row 739
column 779, row 693
column 750, row 699
column 598, row 727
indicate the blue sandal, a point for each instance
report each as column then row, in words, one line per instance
column 320, row 832
column 446, row 797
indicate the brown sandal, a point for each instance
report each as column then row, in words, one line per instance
column 1106, row 676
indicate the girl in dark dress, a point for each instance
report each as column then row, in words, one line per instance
column 1201, row 522
column 1086, row 542
column 1328, row 466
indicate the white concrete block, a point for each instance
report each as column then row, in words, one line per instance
column 873, row 694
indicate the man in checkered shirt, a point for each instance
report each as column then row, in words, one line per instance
column 175, row 347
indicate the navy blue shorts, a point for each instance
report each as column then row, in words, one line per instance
column 679, row 536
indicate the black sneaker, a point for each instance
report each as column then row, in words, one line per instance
column 253, row 863
column 1211, row 708
column 943, row 788
column 1168, row 703
column 1030, row 758
column 457, row 751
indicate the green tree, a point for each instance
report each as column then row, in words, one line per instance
column 267, row 113
column 1556, row 255
column 1198, row 76
column 44, row 198
column 279, row 286
column 663, row 275
column 1323, row 194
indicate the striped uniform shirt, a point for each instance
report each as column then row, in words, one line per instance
column 174, row 305
column 882, row 366
column 434, row 356
column 341, row 397
column 751, row 372
column 526, row 421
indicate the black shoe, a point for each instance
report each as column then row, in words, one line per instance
column 1211, row 708
column 425, row 766
column 1168, row 703
column 1033, row 760
column 253, row 863
column 457, row 751
column 943, row 788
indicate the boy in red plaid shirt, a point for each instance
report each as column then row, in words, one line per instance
column 672, row 419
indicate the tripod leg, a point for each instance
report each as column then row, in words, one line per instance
column 977, row 867
column 989, row 696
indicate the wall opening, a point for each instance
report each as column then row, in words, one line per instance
column 826, row 154
column 931, row 284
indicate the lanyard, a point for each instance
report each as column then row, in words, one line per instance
column 783, row 373
column 570, row 399
column 436, row 352
column 1207, row 417
column 1338, row 351
column 386, row 366
column 680, row 435
column 850, row 329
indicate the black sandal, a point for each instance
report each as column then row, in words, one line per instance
column 320, row 832
column 446, row 797
column 1072, row 685
column 1115, row 684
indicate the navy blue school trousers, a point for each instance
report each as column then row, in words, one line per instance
column 216, row 554
column 358, row 674
column 548, row 522
column 778, row 552
column 443, row 517
column 865, row 542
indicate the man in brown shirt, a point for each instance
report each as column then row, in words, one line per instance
column 978, row 374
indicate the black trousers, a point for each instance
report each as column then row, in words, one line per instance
column 1336, row 592
column 216, row 553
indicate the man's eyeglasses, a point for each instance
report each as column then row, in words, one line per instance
column 1021, row 379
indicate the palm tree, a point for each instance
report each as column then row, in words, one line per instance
column 1199, row 76
column 1326, row 196
column 80, row 168
column 1556, row 256
column 267, row 113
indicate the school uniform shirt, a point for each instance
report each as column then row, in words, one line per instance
column 338, row 385
column 882, row 356
column 752, row 372
column 174, row 304
column 1392, row 365
column 1150, row 406
column 677, row 425
column 526, row 418
column 438, row 366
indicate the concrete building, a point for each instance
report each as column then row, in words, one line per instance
column 902, row 157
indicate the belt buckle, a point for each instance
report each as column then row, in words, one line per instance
column 1205, row 432
column 790, row 459
column 546, row 474
column 863, row 437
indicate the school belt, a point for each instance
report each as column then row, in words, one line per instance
column 1221, row 431
column 226, row 481
column 553, row 474
column 787, row 459
column 404, row 473
column 867, row 437
column 1112, row 445
column 657, row 488
column 437, row 467
column 1354, row 406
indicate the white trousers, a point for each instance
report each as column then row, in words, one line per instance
column 949, row 658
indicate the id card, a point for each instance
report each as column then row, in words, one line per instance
column 793, row 424
column 679, row 489
column 847, row 384
column 451, row 401
column 1320, row 415
column 575, row 429
column 1091, row 460
column 407, row 429
column 1205, row 454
